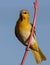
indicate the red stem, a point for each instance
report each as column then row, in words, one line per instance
column 32, row 33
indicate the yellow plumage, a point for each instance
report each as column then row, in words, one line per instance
column 22, row 32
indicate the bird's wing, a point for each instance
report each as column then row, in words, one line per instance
column 17, row 34
column 34, row 30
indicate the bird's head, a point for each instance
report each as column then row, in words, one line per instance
column 24, row 14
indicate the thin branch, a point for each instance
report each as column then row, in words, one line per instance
column 32, row 33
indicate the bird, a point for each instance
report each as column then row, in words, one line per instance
column 23, row 28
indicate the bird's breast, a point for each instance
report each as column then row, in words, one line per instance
column 24, row 32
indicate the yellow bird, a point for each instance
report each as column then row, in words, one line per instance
column 22, row 32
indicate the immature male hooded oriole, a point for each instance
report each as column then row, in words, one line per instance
column 22, row 31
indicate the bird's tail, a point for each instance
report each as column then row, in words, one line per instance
column 39, row 56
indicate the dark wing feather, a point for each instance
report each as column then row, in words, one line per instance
column 34, row 30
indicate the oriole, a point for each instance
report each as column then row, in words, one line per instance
column 22, row 32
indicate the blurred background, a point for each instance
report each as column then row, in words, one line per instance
column 11, row 49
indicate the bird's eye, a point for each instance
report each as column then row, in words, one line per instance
column 24, row 12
